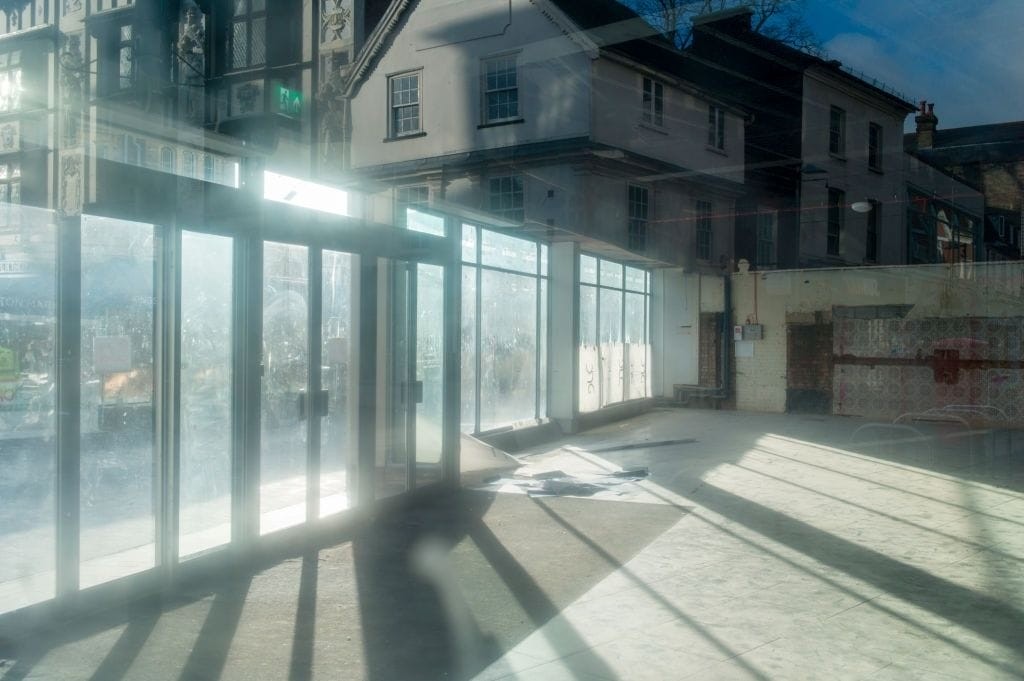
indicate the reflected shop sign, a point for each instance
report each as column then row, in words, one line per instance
column 286, row 101
column 24, row 289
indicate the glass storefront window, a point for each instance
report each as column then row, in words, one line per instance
column 339, row 428
column 614, row 350
column 118, row 453
column 285, row 377
column 27, row 409
column 206, row 387
column 504, row 330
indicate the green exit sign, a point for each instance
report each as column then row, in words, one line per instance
column 287, row 102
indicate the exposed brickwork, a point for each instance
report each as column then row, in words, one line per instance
column 710, row 348
column 809, row 368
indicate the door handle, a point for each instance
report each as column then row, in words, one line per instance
column 322, row 403
column 319, row 406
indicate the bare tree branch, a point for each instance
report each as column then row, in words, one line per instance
column 782, row 20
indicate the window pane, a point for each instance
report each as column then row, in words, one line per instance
column 636, row 345
column 589, row 387
column 508, row 351
column 258, row 37
column 430, row 372
column 588, row 269
column 469, row 243
column 205, row 431
column 611, row 346
column 285, row 371
column 419, row 221
column 339, row 378
column 27, row 416
column 542, row 339
column 508, row 252
column 239, row 45
column 117, row 381
column 635, row 279
column 468, row 345
column 611, row 274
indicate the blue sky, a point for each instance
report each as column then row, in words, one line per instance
column 964, row 55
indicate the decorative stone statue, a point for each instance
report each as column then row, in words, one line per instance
column 72, row 77
column 335, row 17
column 71, row 184
column 191, row 49
column 331, row 98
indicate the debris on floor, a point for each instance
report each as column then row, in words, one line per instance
column 559, row 483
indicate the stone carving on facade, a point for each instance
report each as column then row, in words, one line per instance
column 72, row 80
column 332, row 129
column 10, row 137
column 191, row 49
column 72, row 6
column 335, row 18
column 71, row 179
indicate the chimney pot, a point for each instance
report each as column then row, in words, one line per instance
column 926, row 124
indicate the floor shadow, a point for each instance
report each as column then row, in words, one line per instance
column 210, row 652
column 412, row 629
column 123, row 653
column 406, row 631
column 653, row 594
column 989, row 617
column 301, row 666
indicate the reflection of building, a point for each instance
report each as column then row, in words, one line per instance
column 568, row 123
column 826, row 175
column 190, row 88
column 572, row 122
column 990, row 157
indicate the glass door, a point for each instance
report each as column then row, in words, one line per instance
column 339, row 381
column 308, row 402
column 284, row 387
column 410, row 452
column 205, row 387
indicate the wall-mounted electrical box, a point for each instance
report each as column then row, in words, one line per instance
column 753, row 332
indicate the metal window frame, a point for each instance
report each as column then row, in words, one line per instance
column 538, row 276
column 598, row 287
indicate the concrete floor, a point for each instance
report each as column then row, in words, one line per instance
column 760, row 547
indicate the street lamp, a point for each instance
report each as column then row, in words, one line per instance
column 861, row 206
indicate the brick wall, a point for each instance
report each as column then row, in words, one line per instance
column 809, row 367
column 781, row 298
column 710, row 348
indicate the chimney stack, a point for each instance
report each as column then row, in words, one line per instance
column 926, row 123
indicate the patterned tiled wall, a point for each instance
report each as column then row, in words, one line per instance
column 885, row 392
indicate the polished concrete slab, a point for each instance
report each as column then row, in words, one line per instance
column 759, row 547
column 804, row 554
